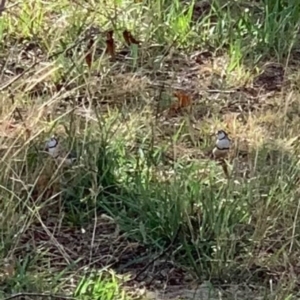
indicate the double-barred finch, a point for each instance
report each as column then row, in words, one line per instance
column 53, row 148
column 222, row 145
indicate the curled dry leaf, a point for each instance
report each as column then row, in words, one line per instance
column 110, row 44
column 129, row 39
column 184, row 100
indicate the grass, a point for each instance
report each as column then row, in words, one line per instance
column 144, row 209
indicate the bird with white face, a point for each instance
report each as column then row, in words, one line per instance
column 53, row 148
column 222, row 145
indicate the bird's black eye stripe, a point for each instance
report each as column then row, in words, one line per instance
column 56, row 142
column 225, row 148
column 225, row 135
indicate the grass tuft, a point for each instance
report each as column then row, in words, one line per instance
column 135, row 90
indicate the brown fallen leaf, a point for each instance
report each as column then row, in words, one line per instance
column 129, row 39
column 89, row 53
column 184, row 100
column 110, row 44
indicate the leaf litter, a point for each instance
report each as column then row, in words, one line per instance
column 188, row 77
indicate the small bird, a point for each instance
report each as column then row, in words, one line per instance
column 68, row 159
column 222, row 145
column 54, row 149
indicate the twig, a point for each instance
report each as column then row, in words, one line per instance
column 2, row 6
column 222, row 91
column 294, row 228
column 48, row 295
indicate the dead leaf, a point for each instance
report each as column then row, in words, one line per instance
column 184, row 100
column 110, row 44
column 89, row 54
column 129, row 39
